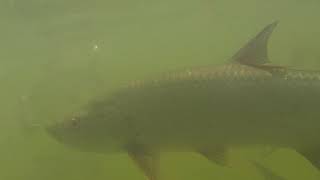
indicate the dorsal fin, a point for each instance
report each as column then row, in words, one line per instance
column 255, row 52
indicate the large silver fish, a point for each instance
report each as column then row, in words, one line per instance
column 247, row 101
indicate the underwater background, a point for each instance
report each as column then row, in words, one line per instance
column 56, row 56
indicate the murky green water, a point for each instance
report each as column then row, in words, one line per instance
column 57, row 55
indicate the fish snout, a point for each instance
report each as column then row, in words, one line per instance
column 55, row 131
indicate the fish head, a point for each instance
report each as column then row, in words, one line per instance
column 86, row 131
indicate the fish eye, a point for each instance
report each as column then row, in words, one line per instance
column 74, row 121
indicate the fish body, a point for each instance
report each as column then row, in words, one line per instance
column 247, row 101
column 242, row 104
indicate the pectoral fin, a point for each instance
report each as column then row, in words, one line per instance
column 216, row 155
column 147, row 161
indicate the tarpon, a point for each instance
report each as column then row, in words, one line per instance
column 246, row 101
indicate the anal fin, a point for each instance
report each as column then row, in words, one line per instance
column 147, row 161
column 216, row 155
column 267, row 173
column 313, row 156
column 267, row 151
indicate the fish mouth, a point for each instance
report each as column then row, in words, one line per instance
column 63, row 135
column 54, row 132
column 68, row 139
